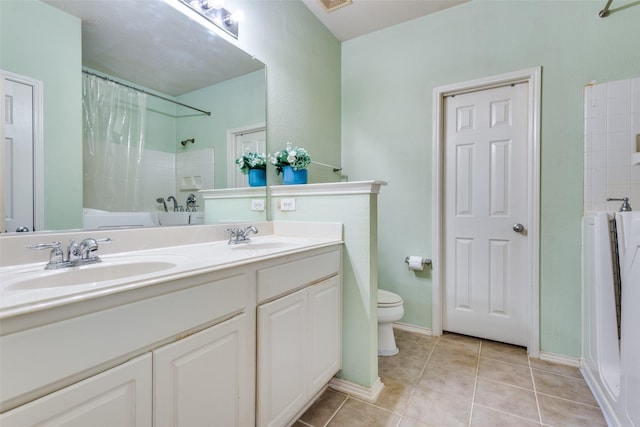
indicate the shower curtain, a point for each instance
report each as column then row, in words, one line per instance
column 113, row 144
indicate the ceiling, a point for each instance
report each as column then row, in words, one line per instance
column 155, row 46
column 365, row 16
column 125, row 41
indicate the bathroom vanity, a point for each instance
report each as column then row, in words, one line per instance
column 242, row 334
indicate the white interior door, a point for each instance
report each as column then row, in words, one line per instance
column 18, row 155
column 485, row 214
column 254, row 140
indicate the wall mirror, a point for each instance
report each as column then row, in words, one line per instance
column 155, row 47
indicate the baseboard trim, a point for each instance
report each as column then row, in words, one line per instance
column 368, row 394
column 413, row 328
column 560, row 358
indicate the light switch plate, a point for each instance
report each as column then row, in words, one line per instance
column 287, row 204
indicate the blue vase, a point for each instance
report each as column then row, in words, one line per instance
column 257, row 177
column 291, row 176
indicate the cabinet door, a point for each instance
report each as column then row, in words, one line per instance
column 120, row 396
column 282, row 358
column 325, row 332
column 206, row 379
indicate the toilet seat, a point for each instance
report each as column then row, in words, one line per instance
column 388, row 299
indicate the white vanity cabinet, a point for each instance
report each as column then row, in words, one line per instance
column 200, row 380
column 299, row 335
column 120, row 396
column 182, row 357
column 248, row 344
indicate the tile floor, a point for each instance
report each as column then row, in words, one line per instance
column 460, row 381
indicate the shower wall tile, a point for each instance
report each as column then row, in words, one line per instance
column 197, row 165
column 159, row 177
column 612, row 121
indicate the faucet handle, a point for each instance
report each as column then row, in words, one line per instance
column 625, row 207
column 56, row 257
column 40, row 246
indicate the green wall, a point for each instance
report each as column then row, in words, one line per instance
column 358, row 215
column 233, row 104
column 303, row 79
column 387, row 82
column 53, row 39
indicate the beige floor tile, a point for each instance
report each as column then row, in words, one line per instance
column 324, row 408
column 420, row 348
column 355, row 413
column 412, row 336
column 395, row 395
column 565, row 413
column 438, row 409
column 556, row 368
column 506, row 398
column 448, row 379
column 430, row 383
column 464, row 363
column 507, row 373
column 565, row 387
column 408, row 422
column 486, row 417
column 404, row 367
column 462, row 343
column 505, row 352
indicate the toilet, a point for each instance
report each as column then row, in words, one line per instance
column 390, row 310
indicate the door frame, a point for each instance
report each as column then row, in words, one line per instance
column 38, row 146
column 532, row 76
column 231, row 139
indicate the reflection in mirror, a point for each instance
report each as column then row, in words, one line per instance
column 179, row 151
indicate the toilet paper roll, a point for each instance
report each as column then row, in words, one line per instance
column 416, row 263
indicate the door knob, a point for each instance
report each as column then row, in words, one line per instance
column 518, row 228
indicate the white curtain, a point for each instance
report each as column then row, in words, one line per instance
column 113, row 133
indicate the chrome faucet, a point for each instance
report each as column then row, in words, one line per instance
column 191, row 203
column 87, row 246
column 76, row 253
column 239, row 235
column 626, row 207
column 175, row 203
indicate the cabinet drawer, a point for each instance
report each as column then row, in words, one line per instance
column 282, row 279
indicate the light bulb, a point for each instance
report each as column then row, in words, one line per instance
column 237, row 16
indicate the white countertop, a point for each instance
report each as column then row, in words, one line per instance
column 26, row 288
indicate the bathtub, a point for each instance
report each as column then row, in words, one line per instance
column 610, row 365
column 629, row 247
column 95, row 218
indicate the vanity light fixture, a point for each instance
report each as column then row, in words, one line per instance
column 214, row 12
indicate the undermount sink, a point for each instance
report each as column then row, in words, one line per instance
column 88, row 274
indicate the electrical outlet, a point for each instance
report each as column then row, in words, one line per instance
column 257, row 204
column 287, row 204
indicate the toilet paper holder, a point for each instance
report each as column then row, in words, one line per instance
column 425, row 261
